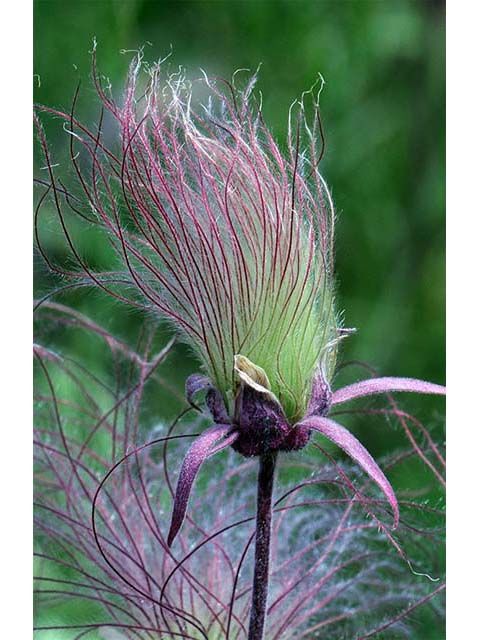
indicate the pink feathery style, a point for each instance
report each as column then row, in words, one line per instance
column 230, row 239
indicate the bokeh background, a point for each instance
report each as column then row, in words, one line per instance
column 383, row 111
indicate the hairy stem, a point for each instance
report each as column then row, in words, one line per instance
column 262, row 546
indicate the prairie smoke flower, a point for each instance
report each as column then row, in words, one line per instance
column 218, row 232
column 102, row 515
column 230, row 240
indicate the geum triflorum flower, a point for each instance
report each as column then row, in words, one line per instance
column 231, row 240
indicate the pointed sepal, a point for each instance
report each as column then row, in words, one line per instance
column 196, row 383
column 209, row 442
column 353, row 448
column 385, row 385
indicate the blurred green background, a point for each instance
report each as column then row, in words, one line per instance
column 383, row 111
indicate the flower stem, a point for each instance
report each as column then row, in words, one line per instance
column 262, row 546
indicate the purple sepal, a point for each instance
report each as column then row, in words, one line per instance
column 297, row 438
column 385, row 385
column 213, row 399
column 319, row 405
column 261, row 423
column 352, row 447
column 321, row 397
column 196, row 383
column 204, row 446
column 216, row 406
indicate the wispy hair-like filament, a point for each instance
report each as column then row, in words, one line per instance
column 216, row 229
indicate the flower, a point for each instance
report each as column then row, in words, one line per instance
column 230, row 241
column 217, row 231
column 103, row 491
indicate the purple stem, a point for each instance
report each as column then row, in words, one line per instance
column 262, row 546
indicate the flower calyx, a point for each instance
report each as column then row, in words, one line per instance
column 258, row 417
column 259, row 425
